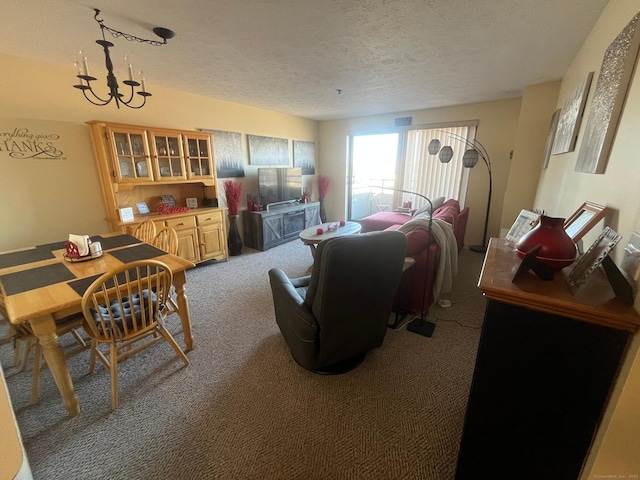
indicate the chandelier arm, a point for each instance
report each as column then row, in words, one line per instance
column 104, row 102
column 126, row 102
column 144, row 100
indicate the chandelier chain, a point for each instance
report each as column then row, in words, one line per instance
column 127, row 36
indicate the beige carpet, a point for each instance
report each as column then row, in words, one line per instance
column 243, row 409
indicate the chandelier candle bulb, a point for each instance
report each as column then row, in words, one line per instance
column 129, row 67
column 86, row 65
column 142, row 83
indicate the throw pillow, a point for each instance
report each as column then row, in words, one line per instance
column 417, row 240
column 437, row 203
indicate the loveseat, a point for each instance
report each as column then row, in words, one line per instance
column 422, row 247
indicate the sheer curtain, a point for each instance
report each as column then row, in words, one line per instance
column 425, row 174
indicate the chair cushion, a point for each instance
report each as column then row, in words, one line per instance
column 129, row 305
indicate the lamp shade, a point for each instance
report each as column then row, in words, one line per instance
column 434, row 146
column 446, row 154
column 470, row 158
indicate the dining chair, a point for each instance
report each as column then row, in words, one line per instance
column 167, row 239
column 24, row 340
column 123, row 309
column 146, row 231
column 380, row 207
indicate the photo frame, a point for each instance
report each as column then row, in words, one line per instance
column 268, row 150
column 584, row 219
column 608, row 100
column 571, row 118
column 592, row 258
column 525, row 221
column 304, row 156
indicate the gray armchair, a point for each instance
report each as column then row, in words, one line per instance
column 332, row 318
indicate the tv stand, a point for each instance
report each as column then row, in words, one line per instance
column 280, row 204
column 269, row 228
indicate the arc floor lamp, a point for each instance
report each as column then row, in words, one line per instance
column 474, row 152
column 419, row 324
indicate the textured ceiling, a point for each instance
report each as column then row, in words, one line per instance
column 293, row 56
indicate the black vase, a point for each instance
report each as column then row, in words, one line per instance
column 323, row 214
column 234, row 242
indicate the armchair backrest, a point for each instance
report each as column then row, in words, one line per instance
column 351, row 291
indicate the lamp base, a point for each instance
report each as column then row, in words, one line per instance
column 421, row 326
column 478, row 248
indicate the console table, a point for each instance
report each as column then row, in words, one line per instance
column 268, row 228
column 546, row 364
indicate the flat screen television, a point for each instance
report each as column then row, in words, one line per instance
column 279, row 184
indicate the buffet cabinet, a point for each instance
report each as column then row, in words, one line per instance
column 201, row 232
column 546, row 364
column 266, row 229
column 140, row 164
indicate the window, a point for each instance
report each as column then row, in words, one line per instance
column 382, row 164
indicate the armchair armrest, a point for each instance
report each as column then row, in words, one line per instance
column 291, row 310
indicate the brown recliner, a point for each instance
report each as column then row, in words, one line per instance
column 333, row 317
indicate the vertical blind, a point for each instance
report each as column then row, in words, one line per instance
column 425, row 173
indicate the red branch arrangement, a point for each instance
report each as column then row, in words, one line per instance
column 232, row 192
column 322, row 182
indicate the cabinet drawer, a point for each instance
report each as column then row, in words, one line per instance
column 209, row 218
column 182, row 222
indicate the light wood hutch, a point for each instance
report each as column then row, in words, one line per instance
column 139, row 164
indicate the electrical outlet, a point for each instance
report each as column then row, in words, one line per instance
column 631, row 260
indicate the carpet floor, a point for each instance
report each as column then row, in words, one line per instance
column 243, row 409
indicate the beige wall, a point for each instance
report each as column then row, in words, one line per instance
column 46, row 200
column 562, row 190
column 538, row 105
column 496, row 131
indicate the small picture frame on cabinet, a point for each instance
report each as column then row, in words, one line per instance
column 584, row 219
column 192, row 202
column 168, row 199
column 126, row 214
column 592, row 258
column 524, row 223
column 142, row 207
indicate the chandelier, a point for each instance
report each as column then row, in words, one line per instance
column 112, row 82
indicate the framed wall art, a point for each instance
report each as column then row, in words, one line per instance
column 227, row 151
column 608, row 99
column 571, row 118
column 268, row 150
column 304, row 156
column 553, row 125
column 584, row 219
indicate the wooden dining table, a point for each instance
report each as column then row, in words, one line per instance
column 38, row 285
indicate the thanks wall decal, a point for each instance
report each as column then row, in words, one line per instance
column 23, row 144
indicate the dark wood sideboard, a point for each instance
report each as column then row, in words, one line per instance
column 546, row 364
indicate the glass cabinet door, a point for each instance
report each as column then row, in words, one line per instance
column 131, row 155
column 198, row 156
column 168, row 157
